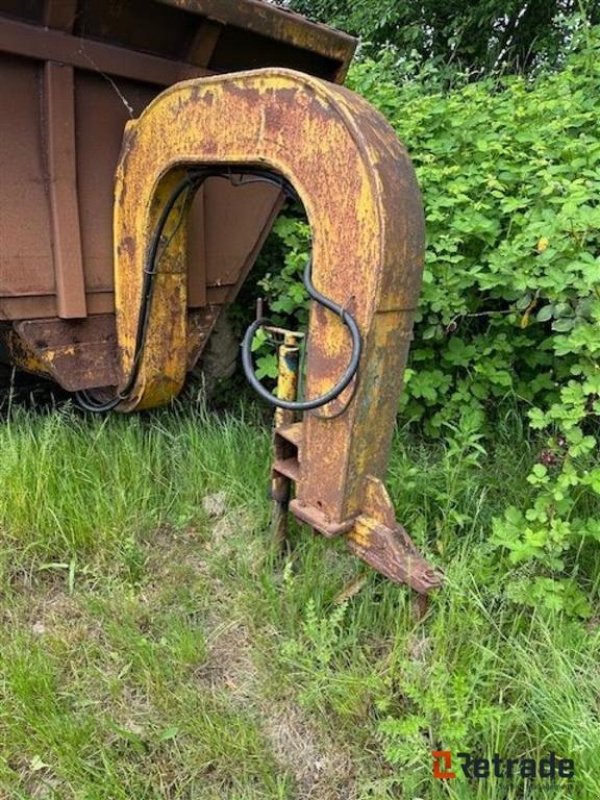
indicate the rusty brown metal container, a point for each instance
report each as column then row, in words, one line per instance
column 72, row 73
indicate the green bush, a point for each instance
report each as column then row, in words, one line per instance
column 510, row 307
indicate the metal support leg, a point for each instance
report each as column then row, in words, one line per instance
column 287, row 388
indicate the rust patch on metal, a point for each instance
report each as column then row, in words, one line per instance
column 383, row 543
column 77, row 355
column 391, row 552
column 360, row 194
column 286, row 456
column 273, row 25
column 200, row 325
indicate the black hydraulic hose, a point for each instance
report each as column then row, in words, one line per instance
column 88, row 403
column 191, row 182
column 335, row 391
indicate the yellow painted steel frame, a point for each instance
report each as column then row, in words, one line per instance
column 363, row 204
column 288, row 364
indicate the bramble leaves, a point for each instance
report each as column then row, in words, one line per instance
column 510, row 303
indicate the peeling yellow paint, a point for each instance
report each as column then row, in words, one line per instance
column 363, row 204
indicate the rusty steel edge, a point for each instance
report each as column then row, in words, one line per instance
column 363, row 204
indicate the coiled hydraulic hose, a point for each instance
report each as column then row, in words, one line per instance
column 335, row 391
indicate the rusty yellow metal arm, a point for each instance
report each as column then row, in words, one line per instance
column 364, row 208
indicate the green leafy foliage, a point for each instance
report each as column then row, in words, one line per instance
column 481, row 36
column 284, row 288
column 510, row 305
column 282, row 285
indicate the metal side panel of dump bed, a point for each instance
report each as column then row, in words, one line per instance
column 72, row 73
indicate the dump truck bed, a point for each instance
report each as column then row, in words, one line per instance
column 72, row 73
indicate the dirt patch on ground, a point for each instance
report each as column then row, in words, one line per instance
column 45, row 608
column 321, row 768
column 215, row 505
column 229, row 664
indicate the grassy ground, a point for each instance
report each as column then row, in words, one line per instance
column 151, row 646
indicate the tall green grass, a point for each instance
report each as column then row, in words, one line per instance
column 73, row 486
column 150, row 650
